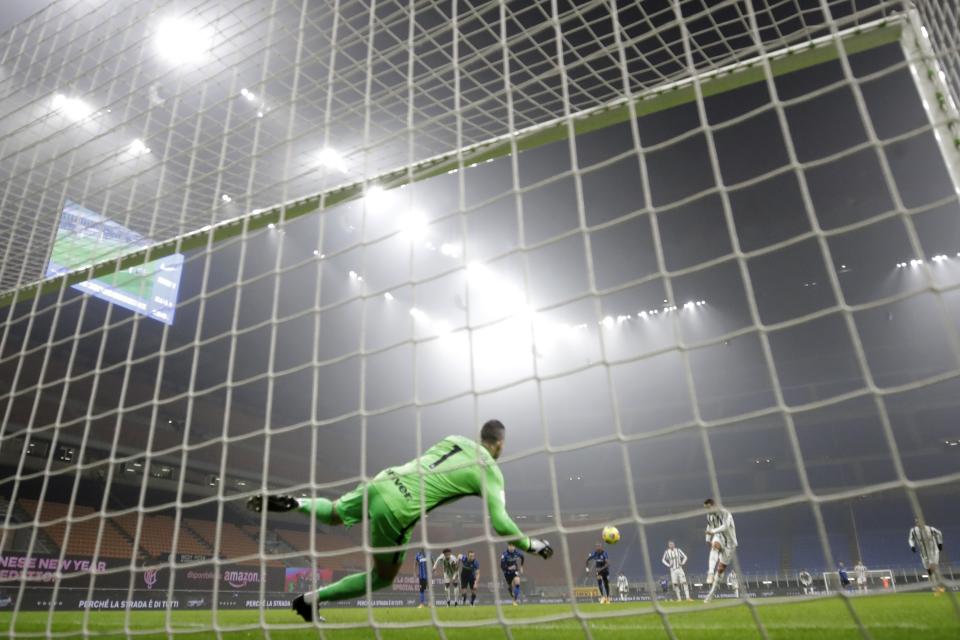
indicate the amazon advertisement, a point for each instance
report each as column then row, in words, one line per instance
column 77, row 582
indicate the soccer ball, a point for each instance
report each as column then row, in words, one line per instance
column 611, row 535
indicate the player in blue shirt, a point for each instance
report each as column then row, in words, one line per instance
column 511, row 563
column 602, row 566
column 423, row 572
column 844, row 578
column 469, row 577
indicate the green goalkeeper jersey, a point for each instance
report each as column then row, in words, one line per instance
column 454, row 467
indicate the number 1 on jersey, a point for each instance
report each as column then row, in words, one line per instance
column 455, row 450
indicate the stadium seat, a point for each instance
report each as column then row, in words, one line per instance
column 81, row 540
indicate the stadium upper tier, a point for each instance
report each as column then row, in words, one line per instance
column 194, row 537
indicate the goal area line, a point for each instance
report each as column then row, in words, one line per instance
column 723, row 79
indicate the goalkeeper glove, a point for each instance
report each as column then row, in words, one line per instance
column 940, row 546
column 540, row 547
column 274, row 503
column 914, row 549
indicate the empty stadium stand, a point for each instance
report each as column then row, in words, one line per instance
column 81, row 540
column 156, row 535
column 325, row 542
column 234, row 542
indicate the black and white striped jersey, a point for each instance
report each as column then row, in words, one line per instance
column 720, row 523
column 674, row 558
column 925, row 539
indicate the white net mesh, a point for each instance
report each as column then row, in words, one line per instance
column 872, row 580
column 681, row 249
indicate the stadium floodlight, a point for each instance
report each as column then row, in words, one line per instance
column 438, row 326
column 73, row 108
column 138, row 147
column 413, row 226
column 376, row 198
column 182, row 41
column 332, row 159
column 451, row 249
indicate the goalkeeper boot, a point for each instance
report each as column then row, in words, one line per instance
column 274, row 503
column 305, row 610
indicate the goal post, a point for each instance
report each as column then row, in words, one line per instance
column 682, row 250
column 878, row 580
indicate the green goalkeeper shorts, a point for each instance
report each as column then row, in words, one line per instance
column 385, row 530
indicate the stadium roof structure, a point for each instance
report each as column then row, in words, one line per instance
column 106, row 114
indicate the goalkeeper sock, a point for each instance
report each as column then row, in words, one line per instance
column 353, row 586
column 320, row 508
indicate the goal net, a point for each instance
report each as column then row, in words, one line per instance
column 876, row 580
column 680, row 249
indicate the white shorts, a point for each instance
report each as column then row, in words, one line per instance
column 862, row 580
column 932, row 559
column 678, row 576
column 726, row 555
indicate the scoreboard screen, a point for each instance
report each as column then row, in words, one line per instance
column 85, row 238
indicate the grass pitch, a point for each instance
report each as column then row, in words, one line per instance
column 920, row 615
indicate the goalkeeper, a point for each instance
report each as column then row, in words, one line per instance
column 454, row 467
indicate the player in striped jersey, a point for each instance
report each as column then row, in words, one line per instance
column 860, row 573
column 721, row 535
column 449, row 565
column 623, row 586
column 674, row 559
column 928, row 541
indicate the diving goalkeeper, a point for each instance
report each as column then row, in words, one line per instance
column 454, row 467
